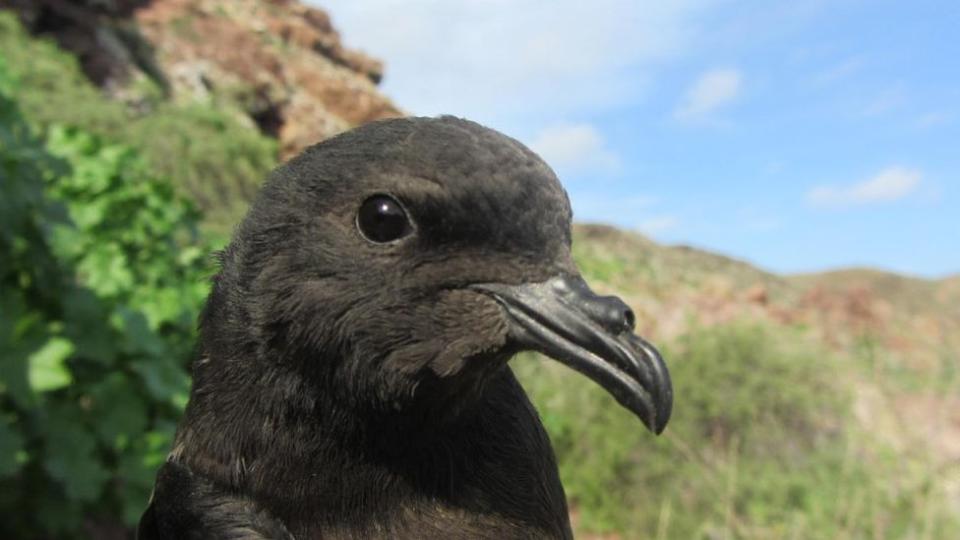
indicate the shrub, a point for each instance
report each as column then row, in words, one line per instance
column 761, row 445
column 210, row 152
column 101, row 277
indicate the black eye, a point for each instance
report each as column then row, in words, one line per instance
column 381, row 219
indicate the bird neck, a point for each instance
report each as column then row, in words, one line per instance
column 304, row 453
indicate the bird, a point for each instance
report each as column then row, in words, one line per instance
column 351, row 378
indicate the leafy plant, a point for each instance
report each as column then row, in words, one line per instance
column 210, row 152
column 103, row 271
column 101, row 278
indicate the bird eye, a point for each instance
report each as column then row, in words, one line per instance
column 381, row 219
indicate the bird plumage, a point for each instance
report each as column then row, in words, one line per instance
column 346, row 388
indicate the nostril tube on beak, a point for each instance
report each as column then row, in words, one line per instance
column 630, row 319
column 615, row 315
column 562, row 318
column 610, row 312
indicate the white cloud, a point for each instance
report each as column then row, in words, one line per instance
column 890, row 184
column 884, row 102
column 712, row 90
column 934, row 119
column 574, row 147
column 838, row 72
column 503, row 61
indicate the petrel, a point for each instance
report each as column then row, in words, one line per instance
column 351, row 379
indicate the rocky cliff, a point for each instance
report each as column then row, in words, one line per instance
column 281, row 62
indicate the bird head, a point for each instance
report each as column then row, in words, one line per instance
column 401, row 264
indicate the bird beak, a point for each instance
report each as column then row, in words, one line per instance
column 592, row 334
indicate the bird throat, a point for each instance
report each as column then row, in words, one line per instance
column 313, row 455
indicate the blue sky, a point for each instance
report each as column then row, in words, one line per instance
column 800, row 136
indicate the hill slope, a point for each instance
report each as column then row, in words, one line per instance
column 214, row 93
column 898, row 335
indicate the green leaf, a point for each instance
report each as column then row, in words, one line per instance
column 15, row 347
column 165, row 381
column 47, row 367
column 140, row 338
column 161, row 306
column 84, row 318
column 105, row 269
column 137, row 469
column 67, row 242
column 70, row 454
column 90, row 214
column 11, row 445
column 61, row 515
column 119, row 409
column 190, row 255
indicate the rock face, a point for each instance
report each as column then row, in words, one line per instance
column 280, row 61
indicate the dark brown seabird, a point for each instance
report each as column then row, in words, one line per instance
column 351, row 378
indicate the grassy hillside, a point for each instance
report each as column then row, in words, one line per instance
column 815, row 406
column 207, row 150
column 821, row 406
column 907, row 294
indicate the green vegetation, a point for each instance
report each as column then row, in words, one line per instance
column 210, row 151
column 103, row 271
column 101, row 278
column 762, row 445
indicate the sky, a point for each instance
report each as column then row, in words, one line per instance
column 800, row 136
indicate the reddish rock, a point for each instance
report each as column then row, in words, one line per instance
column 280, row 62
column 284, row 60
column 757, row 294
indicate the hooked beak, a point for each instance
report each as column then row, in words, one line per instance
column 592, row 334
